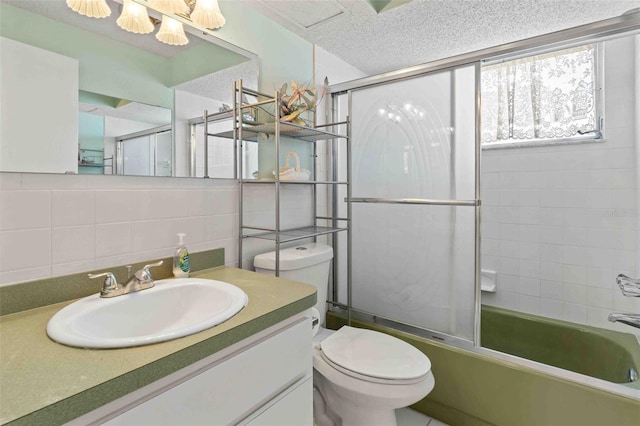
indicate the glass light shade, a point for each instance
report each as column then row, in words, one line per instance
column 90, row 8
column 134, row 18
column 207, row 14
column 171, row 32
column 171, row 6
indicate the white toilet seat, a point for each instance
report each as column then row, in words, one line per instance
column 374, row 357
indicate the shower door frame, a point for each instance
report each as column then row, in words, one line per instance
column 608, row 28
column 475, row 202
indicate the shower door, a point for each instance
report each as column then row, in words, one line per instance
column 413, row 202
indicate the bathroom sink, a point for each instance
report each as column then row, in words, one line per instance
column 172, row 308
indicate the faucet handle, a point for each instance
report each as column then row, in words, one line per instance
column 110, row 282
column 629, row 286
column 145, row 274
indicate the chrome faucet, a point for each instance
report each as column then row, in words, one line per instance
column 631, row 288
column 141, row 280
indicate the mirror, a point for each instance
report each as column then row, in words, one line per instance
column 91, row 98
column 120, row 136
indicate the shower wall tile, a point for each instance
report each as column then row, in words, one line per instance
column 563, row 220
column 551, row 308
column 575, row 313
column 529, row 304
column 551, row 290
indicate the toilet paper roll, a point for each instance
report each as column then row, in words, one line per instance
column 314, row 314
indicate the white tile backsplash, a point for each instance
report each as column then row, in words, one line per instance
column 161, row 204
column 25, row 249
column 25, row 209
column 112, row 239
column 72, row 207
column 72, row 244
column 113, row 206
column 54, row 225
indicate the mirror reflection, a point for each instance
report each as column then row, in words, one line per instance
column 120, row 136
column 115, row 103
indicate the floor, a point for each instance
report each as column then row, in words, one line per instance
column 409, row 417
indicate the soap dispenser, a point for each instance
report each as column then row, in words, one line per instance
column 181, row 264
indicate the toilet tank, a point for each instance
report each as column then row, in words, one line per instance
column 308, row 263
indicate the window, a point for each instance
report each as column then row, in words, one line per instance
column 543, row 97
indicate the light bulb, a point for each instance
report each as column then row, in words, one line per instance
column 207, row 14
column 90, row 8
column 134, row 18
column 171, row 32
column 171, row 6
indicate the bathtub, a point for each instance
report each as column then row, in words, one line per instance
column 476, row 389
column 596, row 352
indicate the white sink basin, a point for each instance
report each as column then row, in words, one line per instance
column 172, row 308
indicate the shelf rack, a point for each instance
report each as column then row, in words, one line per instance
column 248, row 130
column 87, row 158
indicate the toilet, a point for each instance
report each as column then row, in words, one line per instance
column 360, row 377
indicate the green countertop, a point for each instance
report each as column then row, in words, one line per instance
column 43, row 382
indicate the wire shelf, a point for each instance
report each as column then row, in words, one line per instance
column 295, row 234
column 295, row 182
column 250, row 132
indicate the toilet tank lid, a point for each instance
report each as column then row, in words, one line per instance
column 297, row 257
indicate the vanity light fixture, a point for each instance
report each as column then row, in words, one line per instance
column 135, row 17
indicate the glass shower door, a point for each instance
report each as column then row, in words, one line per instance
column 414, row 201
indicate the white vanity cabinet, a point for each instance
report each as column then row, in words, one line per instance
column 265, row 379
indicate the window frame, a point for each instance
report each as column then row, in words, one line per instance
column 596, row 136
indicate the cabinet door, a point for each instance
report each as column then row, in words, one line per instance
column 230, row 391
column 293, row 408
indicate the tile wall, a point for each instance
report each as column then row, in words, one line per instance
column 560, row 222
column 53, row 225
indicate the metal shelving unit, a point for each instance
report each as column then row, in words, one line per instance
column 248, row 131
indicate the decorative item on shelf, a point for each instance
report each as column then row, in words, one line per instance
column 293, row 173
column 302, row 99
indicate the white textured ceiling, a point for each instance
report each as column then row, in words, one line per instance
column 413, row 33
column 218, row 85
column 424, row 30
